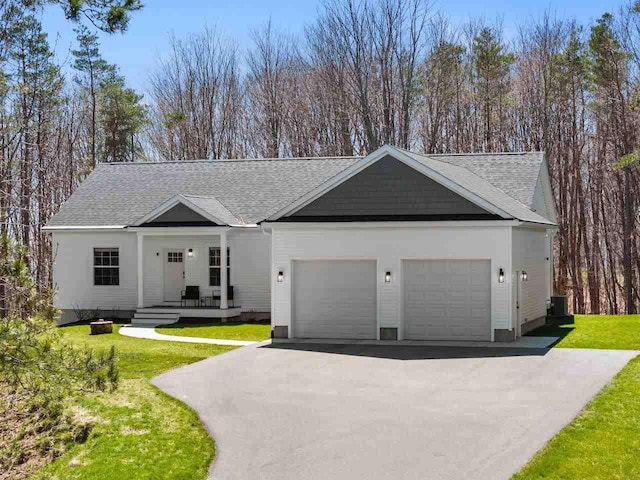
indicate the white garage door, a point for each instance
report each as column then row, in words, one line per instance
column 334, row 299
column 447, row 299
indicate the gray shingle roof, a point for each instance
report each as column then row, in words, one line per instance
column 515, row 174
column 477, row 174
column 249, row 191
column 121, row 194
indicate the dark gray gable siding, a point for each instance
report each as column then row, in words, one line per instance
column 180, row 214
column 388, row 189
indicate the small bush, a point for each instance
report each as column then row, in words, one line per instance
column 40, row 374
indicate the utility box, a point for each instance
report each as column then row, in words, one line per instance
column 559, row 306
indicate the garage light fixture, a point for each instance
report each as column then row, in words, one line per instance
column 387, row 277
column 280, row 276
column 190, row 253
column 525, row 277
column 501, row 276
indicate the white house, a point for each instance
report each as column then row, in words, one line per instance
column 394, row 245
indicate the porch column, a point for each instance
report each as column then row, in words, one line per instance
column 223, row 271
column 140, row 270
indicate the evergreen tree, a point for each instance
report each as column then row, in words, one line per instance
column 122, row 117
column 94, row 68
column 491, row 68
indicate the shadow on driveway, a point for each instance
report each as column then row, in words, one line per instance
column 410, row 352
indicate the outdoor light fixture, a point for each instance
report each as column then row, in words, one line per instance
column 190, row 253
column 387, row 277
column 524, row 276
column 280, row 277
column 501, row 276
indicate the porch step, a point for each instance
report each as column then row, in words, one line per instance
column 146, row 317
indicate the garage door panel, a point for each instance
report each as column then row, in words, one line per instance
column 447, row 299
column 334, row 299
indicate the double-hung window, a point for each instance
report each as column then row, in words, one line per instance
column 106, row 266
column 214, row 266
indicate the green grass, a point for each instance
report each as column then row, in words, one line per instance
column 613, row 332
column 140, row 432
column 227, row 331
column 604, row 440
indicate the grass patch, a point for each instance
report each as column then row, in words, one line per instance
column 227, row 331
column 602, row 442
column 140, row 432
column 613, row 332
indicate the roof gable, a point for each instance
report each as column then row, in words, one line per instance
column 189, row 210
column 389, row 189
column 402, row 156
column 180, row 214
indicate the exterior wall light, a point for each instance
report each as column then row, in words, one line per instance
column 280, row 277
column 190, row 253
column 387, row 277
column 501, row 276
column 525, row 277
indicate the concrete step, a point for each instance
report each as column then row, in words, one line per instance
column 168, row 310
column 144, row 317
column 153, row 321
column 144, row 314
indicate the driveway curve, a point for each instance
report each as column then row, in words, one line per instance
column 386, row 412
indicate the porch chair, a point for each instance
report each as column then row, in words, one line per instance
column 190, row 292
column 216, row 296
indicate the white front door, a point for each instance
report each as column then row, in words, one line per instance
column 173, row 275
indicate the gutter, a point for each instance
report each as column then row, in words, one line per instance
column 84, row 228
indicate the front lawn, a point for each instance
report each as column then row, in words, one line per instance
column 140, row 432
column 228, row 331
column 613, row 332
column 603, row 442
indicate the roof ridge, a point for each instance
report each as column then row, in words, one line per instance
column 232, row 160
column 476, row 154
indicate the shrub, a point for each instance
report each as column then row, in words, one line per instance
column 40, row 374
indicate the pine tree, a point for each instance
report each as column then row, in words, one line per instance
column 491, row 67
column 94, row 68
column 122, row 116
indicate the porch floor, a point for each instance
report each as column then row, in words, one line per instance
column 193, row 307
column 194, row 311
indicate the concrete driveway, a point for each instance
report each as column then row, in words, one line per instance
column 386, row 412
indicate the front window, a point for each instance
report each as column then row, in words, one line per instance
column 106, row 266
column 214, row 266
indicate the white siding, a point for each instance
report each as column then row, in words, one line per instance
column 389, row 246
column 530, row 253
column 250, row 269
column 73, row 271
column 73, row 268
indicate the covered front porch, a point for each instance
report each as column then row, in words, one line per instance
column 184, row 271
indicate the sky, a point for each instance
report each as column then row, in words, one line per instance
column 137, row 50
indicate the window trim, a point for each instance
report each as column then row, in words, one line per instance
column 219, row 267
column 110, row 266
